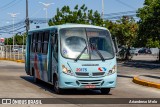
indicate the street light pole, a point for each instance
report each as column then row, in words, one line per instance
column 46, row 5
column 102, row 9
column 46, row 16
column 13, row 15
column 13, row 35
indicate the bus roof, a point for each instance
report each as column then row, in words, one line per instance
column 68, row 25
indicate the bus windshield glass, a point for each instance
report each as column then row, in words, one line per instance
column 86, row 43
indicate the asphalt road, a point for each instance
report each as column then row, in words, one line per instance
column 14, row 83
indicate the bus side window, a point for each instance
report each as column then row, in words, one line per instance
column 45, row 42
column 36, row 43
column 39, row 43
column 32, row 48
column 34, row 40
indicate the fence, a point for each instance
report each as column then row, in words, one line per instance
column 18, row 53
column 153, row 55
column 10, row 52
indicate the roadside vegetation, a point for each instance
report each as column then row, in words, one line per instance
column 142, row 33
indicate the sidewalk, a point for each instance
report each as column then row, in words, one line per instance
column 148, row 80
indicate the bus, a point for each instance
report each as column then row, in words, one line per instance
column 72, row 56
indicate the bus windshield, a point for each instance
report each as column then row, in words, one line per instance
column 86, row 43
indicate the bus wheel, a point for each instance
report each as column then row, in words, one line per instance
column 56, row 86
column 34, row 76
column 105, row 90
column 34, row 79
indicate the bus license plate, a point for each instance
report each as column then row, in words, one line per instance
column 90, row 86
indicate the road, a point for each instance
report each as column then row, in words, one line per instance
column 14, row 83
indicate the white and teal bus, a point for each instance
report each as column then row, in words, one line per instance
column 72, row 56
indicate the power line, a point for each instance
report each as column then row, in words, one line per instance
column 10, row 5
column 6, row 5
column 127, row 5
column 21, row 25
column 121, row 13
column 115, row 16
column 118, row 17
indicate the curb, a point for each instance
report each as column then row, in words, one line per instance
column 139, row 81
column 19, row 61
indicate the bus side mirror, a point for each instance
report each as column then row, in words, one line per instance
column 115, row 44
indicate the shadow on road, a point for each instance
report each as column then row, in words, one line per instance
column 125, row 76
column 142, row 64
column 49, row 87
column 151, row 76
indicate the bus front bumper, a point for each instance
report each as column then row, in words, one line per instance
column 72, row 82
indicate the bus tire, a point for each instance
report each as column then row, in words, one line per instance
column 57, row 90
column 34, row 76
column 105, row 90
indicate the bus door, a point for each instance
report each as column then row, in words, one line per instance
column 54, row 52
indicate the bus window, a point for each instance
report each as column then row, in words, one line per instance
column 32, row 43
column 34, row 40
column 39, row 43
column 100, row 42
column 45, row 42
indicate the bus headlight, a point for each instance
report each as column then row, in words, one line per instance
column 113, row 70
column 66, row 71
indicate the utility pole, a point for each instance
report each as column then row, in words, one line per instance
column 102, row 9
column 27, row 24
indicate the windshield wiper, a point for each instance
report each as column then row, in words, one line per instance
column 81, row 54
column 100, row 55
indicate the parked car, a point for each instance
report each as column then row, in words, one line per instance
column 145, row 51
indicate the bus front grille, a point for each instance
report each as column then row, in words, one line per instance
column 98, row 73
column 93, row 82
column 82, row 73
column 87, row 74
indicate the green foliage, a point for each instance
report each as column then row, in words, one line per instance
column 153, row 44
column 18, row 40
column 149, row 24
column 124, row 29
column 8, row 41
column 79, row 15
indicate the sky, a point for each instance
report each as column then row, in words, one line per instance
column 36, row 10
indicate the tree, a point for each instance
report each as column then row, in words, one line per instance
column 124, row 29
column 79, row 15
column 149, row 24
column 17, row 38
column 8, row 41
